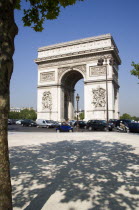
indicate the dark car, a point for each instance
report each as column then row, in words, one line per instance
column 9, row 122
column 134, row 127
column 64, row 128
column 113, row 121
column 81, row 123
column 30, row 123
column 100, row 125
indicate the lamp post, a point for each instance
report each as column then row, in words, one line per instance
column 77, row 99
column 107, row 105
column 111, row 63
column 100, row 63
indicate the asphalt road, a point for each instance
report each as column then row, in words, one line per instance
column 19, row 128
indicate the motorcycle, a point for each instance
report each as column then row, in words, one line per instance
column 124, row 129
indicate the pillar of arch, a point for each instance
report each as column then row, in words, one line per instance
column 62, row 65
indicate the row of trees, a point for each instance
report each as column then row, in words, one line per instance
column 23, row 114
column 128, row 116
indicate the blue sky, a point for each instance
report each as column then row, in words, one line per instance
column 120, row 18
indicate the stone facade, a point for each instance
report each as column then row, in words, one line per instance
column 60, row 67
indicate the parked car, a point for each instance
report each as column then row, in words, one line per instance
column 9, row 122
column 81, row 123
column 64, row 128
column 30, row 123
column 54, row 123
column 18, row 122
column 113, row 121
column 134, row 127
column 72, row 122
column 99, row 125
column 45, row 123
column 13, row 121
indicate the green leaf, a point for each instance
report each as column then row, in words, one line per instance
column 17, row 5
column 41, row 10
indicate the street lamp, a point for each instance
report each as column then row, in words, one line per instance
column 111, row 63
column 100, row 63
column 77, row 99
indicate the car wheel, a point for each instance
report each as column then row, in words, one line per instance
column 70, row 131
column 105, row 129
column 90, row 128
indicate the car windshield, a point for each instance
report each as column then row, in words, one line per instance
column 128, row 121
column 47, row 121
column 103, row 121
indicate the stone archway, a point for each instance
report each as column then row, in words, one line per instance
column 60, row 66
column 68, row 81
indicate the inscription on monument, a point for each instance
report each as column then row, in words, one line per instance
column 97, row 71
column 75, row 48
column 47, row 76
column 99, row 97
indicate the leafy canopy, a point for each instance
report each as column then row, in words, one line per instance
column 129, row 117
column 24, row 114
column 40, row 10
column 126, row 116
column 135, row 71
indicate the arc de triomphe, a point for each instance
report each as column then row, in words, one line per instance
column 62, row 65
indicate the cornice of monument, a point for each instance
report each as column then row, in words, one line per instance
column 82, row 47
column 93, row 52
column 79, row 41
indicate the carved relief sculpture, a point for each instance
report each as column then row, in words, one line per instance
column 97, row 71
column 47, row 100
column 99, row 97
column 47, row 76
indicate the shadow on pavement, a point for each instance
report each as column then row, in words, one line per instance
column 105, row 173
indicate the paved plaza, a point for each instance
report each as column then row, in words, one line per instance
column 74, row 171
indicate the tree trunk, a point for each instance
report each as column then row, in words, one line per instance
column 8, row 30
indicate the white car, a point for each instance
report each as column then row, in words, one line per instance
column 18, row 122
column 45, row 123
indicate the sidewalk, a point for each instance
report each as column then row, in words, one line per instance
column 74, row 171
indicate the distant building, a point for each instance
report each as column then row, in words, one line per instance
column 16, row 109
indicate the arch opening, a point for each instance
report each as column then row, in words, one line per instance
column 68, row 83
